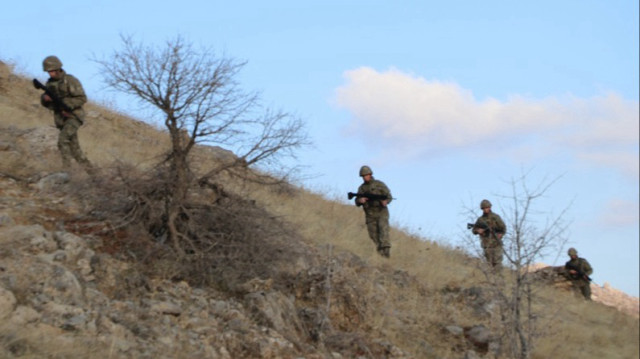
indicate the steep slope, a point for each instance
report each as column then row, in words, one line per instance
column 71, row 286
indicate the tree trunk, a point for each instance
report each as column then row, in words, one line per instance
column 179, row 188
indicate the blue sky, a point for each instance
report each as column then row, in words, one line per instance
column 446, row 101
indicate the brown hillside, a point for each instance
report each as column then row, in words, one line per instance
column 304, row 282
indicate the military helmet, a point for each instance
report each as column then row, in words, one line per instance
column 365, row 170
column 485, row 204
column 572, row 252
column 51, row 63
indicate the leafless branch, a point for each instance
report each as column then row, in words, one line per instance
column 532, row 234
column 201, row 103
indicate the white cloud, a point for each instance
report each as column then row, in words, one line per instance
column 413, row 116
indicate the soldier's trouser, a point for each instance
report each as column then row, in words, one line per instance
column 492, row 249
column 69, row 145
column 378, row 228
column 584, row 287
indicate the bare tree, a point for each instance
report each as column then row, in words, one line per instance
column 532, row 234
column 200, row 101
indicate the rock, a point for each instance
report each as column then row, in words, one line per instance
column 470, row 354
column 275, row 310
column 24, row 315
column 34, row 237
column 454, row 329
column 42, row 142
column 479, row 336
column 53, row 181
column 75, row 322
column 6, row 220
column 6, row 146
column 166, row 308
column 218, row 307
column 7, row 303
column 62, row 286
column 70, row 243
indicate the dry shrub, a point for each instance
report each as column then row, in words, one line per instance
column 227, row 240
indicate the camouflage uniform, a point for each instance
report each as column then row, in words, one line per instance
column 579, row 281
column 69, row 90
column 491, row 244
column 376, row 215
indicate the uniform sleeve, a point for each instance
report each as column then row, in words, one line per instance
column 387, row 192
column 360, row 191
column 47, row 104
column 480, row 223
column 76, row 97
column 586, row 267
column 382, row 189
column 500, row 226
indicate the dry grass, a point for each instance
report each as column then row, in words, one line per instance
column 124, row 140
column 573, row 328
column 106, row 136
column 49, row 342
column 322, row 221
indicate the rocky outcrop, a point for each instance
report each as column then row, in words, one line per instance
column 612, row 297
column 604, row 294
column 58, row 286
column 50, row 286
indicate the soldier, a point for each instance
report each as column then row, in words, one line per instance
column 578, row 271
column 68, row 89
column 490, row 228
column 375, row 210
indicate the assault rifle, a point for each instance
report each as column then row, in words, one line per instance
column 580, row 273
column 56, row 100
column 480, row 225
column 371, row 196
